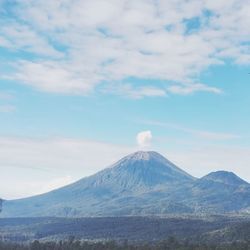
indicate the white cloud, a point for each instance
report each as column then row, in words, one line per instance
column 21, row 37
column 110, row 41
column 144, row 138
column 54, row 77
column 129, row 91
column 192, row 88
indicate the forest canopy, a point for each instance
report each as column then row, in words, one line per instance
column 170, row 244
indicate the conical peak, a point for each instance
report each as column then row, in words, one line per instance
column 146, row 157
column 143, row 155
column 150, row 162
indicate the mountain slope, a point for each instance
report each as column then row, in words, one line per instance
column 143, row 183
column 142, row 170
column 220, row 192
column 114, row 190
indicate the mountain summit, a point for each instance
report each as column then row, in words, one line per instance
column 152, row 160
column 142, row 183
column 145, row 169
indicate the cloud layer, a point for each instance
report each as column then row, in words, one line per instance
column 36, row 165
column 75, row 46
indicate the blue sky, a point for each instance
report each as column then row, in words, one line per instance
column 83, row 83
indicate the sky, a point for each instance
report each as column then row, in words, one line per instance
column 85, row 82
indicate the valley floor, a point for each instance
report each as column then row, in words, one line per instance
column 170, row 244
column 212, row 229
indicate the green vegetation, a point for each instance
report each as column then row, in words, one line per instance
column 170, row 244
column 214, row 229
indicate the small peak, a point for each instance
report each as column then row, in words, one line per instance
column 221, row 174
column 225, row 177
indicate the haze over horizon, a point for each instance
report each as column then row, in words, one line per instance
column 85, row 83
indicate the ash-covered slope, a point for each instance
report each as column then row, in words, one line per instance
column 143, row 183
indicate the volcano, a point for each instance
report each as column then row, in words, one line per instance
column 142, row 183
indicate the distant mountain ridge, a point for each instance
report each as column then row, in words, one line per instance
column 142, row 183
column 225, row 177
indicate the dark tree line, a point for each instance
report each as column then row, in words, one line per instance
column 170, row 244
column 1, row 205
